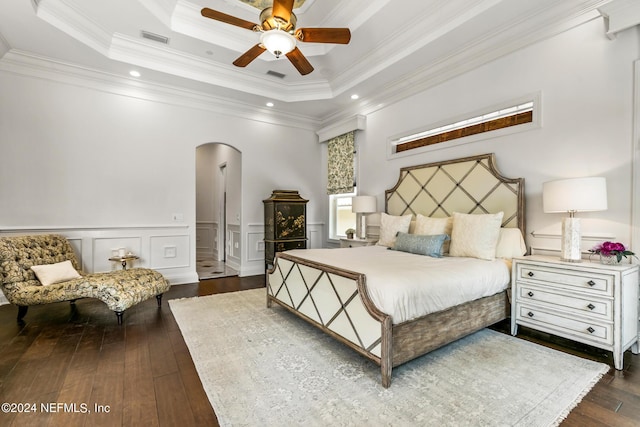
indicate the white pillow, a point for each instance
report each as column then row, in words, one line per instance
column 48, row 274
column 475, row 236
column 433, row 226
column 390, row 225
column 510, row 243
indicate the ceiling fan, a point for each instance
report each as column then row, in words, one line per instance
column 279, row 34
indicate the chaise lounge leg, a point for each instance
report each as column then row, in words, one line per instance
column 119, row 315
column 22, row 311
column 159, row 298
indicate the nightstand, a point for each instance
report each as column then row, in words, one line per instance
column 586, row 302
column 356, row 243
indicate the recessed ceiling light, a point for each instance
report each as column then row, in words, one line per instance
column 269, row 104
column 134, row 73
column 354, row 96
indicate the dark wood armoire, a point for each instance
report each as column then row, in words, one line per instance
column 285, row 223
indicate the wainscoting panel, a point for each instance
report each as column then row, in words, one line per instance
column 315, row 236
column 255, row 246
column 234, row 252
column 207, row 239
column 169, row 252
column 105, row 247
column 165, row 248
column 255, row 243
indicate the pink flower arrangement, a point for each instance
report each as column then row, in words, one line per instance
column 616, row 249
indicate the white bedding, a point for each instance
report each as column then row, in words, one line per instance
column 408, row 286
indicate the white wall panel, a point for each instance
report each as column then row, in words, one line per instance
column 206, row 239
column 169, row 251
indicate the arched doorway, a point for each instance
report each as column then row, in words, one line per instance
column 218, row 207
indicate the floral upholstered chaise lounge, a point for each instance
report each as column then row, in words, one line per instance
column 119, row 289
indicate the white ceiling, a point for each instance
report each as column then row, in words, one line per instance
column 397, row 47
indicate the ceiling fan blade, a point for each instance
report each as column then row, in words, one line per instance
column 324, row 35
column 299, row 61
column 227, row 19
column 246, row 58
column 282, row 9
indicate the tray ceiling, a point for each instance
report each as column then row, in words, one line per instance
column 396, row 47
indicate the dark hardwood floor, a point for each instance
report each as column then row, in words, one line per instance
column 141, row 373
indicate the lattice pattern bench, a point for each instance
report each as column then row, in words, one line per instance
column 119, row 289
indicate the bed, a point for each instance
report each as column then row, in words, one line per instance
column 322, row 287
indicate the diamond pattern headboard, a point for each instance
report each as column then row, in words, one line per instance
column 468, row 185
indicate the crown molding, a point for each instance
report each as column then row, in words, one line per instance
column 620, row 15
column 34, row 66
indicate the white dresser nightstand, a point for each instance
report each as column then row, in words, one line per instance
column 587, row 302
column 355, row 243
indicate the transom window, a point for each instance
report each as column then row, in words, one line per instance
column 507, row 118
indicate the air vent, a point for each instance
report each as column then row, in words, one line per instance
column 276, row 74
column 155, row 37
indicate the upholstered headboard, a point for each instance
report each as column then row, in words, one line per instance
column 468, row 185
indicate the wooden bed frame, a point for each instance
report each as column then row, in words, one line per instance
column 336, row 300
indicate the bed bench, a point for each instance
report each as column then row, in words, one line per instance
column 119, row 289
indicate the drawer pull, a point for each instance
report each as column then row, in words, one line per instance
column 591, row 283
column 591, row 306
column 530, row 274
column 530, row 293
column 530, row 314
column 591, row 330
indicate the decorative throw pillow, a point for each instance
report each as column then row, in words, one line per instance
column 510, row 243
column 433, row 226
column 48, row 274
column 475, row 236
column 420, row 244
column 391, row 225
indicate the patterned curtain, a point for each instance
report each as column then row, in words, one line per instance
column 340, row 176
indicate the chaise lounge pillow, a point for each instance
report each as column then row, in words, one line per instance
column 476, row 235
column 48, row 274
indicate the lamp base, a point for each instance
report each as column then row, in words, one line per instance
column 570, row 249
column 361, row 226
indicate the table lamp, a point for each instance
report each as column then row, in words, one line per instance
column 571, row 196
column 362, row 205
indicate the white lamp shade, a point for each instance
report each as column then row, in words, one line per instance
column 363, row 204
column 278, row 42
column 575, row 195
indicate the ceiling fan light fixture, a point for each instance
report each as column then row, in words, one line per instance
column 278, row 42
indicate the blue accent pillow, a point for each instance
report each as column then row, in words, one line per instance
column 430, row 245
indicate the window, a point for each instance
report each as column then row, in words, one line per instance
column 341, row 217
column 506, row 118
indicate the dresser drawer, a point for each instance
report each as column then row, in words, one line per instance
column 584, row 304
column 575, row 329
column 581, row 281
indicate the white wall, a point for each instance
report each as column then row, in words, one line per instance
column 79, row 156
column 586, row 81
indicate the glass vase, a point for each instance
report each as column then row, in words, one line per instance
column 609, row 260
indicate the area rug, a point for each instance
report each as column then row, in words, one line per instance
column 265, row 367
